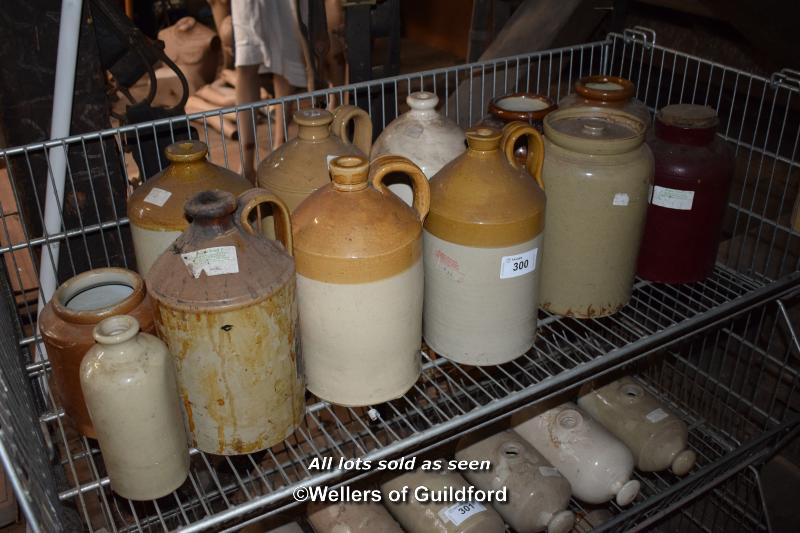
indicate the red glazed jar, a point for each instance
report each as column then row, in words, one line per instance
column 693, row 171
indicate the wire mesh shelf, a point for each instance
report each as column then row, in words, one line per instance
column 678, row 330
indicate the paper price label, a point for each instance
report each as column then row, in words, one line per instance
column 656, row 415
column 213, row 261
column 672, row 198
column 461, row 511
column 621, row 199
column 157, row 196
column 512, row 266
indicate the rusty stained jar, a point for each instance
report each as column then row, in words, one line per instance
column 225, row 305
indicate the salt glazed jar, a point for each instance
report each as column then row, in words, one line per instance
column 128, row 379
column 483, row 250
column 525, row 107
column 598, row 173
column 693, row 173
column 424, row 136
column 447, row 516
column 155, row 208
column 657, row 438
column 69, row 318
column 361, row 517
column 607, row 92
column 360, row 282
column 225, row 305
column 538, row 495
column 597, row 465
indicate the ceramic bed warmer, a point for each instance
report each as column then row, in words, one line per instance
column 446, row 517
column 360, row 282
column 656, row 437
column 607, row 92
column 69, row 318
column 366, row 517
column 424, row 136
column 538, row 495
column 597, row 465
column 225, row 305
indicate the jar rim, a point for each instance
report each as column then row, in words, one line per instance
column 95, row 278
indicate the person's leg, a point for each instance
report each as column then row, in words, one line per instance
column 247, row 91
column 282, row 88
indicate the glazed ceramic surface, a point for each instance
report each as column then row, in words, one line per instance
column 128, row 379
column 693, row 173
column 424, row 517
column 69, row 318
column 656, row 437
column 597, row 465
column 360, row 282
column 424, row 136
column 607, row 92
column 598, row 173
column 225, row 306
column 483, row 250
column 538, row 494
column 155, row 208
column 524, row 107
column 366, row 517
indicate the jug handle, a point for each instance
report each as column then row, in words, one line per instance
column 251, row 199
column 362, row 133
column 535, row 161
column 386, row 164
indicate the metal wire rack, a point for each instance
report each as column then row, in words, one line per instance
column 730, row 426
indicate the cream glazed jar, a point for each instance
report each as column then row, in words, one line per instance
column 362, row 517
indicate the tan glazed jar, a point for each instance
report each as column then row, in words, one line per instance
column 483, row 248
column 598, row 173
column 225, row 306
column 155, row 209
column 358, row 249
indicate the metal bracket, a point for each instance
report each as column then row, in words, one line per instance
column 787, row 77
column 640, row 34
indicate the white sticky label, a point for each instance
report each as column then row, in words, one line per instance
column 672, row 198
column 621, row 198
column 213, row 261
column 459, row 512
column 656, row 415
column 157, row 196
column 512, row 266
column 549, row 471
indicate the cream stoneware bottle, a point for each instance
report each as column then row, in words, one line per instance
column 362, row 517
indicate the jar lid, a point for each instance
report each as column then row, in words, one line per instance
column 689, row 116
column 595, row 130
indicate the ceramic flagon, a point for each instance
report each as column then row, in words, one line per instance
column 607, row 92
column 225, row 305
column 362, row 517
column 360, row 282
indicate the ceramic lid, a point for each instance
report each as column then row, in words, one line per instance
column 605, row 88
column 689, row 116
column 158, row 203
column 355, row 230
column 594, row 130
column 521, row 106
column 221, row 262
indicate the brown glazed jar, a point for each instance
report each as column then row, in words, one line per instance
column 225, row 305
column 607, row 92
column 529, row 108
column 358, row 248
column 155, row 209
column 67, row 323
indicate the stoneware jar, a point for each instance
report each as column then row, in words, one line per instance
column 693, row 172
column 155, row 209
column 657, row 438
column 524, row 107
column 225, row 305
column 483, row 248
column 128, row 379
column 360, row 282
column 424, row 136
column 538, row 494
column 597, row 465
column 69, row 318
column 598, row 173
column 362, row 517
column 607, row 92
column 446, row 516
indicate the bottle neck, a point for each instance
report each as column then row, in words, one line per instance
column 687, row 136
column 314, row 133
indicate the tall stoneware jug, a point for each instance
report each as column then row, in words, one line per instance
column 225, row 305
column 155, row 209
column 657, row 438
column 423, row 135
column 483, row 248
column 597, row 465
column 128, row 379
column 607, row 92
column 422, row 513
column 349, row 517
column 538, row 495
column 69, row 318
column 598, row 173
column 358, row 249
column 693, row 173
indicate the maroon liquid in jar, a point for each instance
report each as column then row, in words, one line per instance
column 693, row 171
